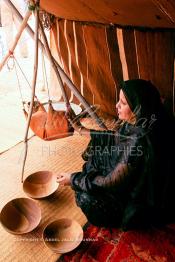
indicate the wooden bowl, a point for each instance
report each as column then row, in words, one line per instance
column 20, row 215
column 63, row 235
column 40, row 184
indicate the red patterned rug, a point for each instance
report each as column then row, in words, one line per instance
column 114, row 245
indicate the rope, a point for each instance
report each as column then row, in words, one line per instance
column 46, row 19
column 13, row 66
column 22, row 73
column 19, row 85
column 44, row 72
column 24, row 76
column 10, row 67
column 12, row 58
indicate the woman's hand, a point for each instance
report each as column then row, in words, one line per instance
column 73, row 120
column 75, row 123
column 64, row 179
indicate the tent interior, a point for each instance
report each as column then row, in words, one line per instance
column 98, row 43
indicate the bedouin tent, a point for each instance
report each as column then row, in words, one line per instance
column 99, row 43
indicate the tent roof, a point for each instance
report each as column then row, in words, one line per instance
column 144, row 13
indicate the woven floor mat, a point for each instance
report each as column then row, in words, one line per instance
column 62, row 155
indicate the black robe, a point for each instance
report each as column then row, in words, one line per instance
column 126, row 182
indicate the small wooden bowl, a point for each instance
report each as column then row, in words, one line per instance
column 40, row 184
column 63, row 235
column 20, row 216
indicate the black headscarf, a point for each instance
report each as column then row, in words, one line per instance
column 151, row 115
column 144, row 100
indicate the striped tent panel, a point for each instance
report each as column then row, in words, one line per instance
column 155, row 52
column 100, row 78
column 130, row 53
column 55, row 91
column 114, row 57
column 82, row 61
column 80, row 50
column 63, row 51
column 72, row 61
column 119, row 33
column 98, row 57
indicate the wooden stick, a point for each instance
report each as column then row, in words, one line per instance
column 33, row 90
column 12, row 48
column 80, row 97
column 62, row 73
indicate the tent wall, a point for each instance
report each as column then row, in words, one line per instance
column 97, row 58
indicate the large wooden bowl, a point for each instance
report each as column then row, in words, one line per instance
column 63, row 235
column 40, row 184
column 20, row 215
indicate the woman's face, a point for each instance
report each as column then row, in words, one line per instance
column 123, row 109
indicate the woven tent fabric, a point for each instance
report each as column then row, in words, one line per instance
column 150, row 13
column 97, row 83
column 98, row 57
column 63, row 155
column 103, row 244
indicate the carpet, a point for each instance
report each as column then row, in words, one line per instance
column 114, row 245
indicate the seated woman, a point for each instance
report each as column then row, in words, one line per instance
column 128, row 179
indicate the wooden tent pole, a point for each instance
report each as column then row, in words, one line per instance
column 12, row 48
column 80, row 97
column 62, row 73
column 33, row 89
